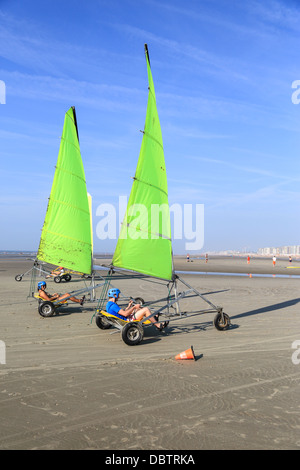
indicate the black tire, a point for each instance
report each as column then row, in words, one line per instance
column 102, row 322
column 57, row 279
column 18, row 277
column 46, row 309
column 139, row 300
column 132, row 333
column 67, row 277
column 220, row 323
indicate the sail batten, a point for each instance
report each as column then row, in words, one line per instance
column 153, row 234
column 66, row 235
column 150, row 184
column 144, row 243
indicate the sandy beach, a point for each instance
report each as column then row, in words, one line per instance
column 66, row 384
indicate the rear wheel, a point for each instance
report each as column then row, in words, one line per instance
column 132, row 333
column 67, row 277
column 18, row 277
column 102, row 322
column 221, row 321
column 46, row 309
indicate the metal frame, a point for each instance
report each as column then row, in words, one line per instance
column 37, row 265
column 63, row 303
column 221, row 320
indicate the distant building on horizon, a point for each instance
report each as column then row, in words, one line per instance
column 281, row 250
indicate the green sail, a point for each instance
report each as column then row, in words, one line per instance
column 66, row 234
column 144, row 243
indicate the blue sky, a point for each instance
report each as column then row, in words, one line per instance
column 223, row 74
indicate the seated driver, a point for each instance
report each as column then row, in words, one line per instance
column 45, row 296
column 135, row 312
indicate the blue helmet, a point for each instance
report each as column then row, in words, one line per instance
column 113, row 292
column 40, row 284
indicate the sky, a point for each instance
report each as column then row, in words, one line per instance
column 223, row 74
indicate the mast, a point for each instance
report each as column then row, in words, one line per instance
column 147, row 54
column 75, row 122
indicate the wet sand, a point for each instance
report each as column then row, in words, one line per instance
column 239, row 265
column 67, row 384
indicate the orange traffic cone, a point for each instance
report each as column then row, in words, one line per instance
column 188, row 354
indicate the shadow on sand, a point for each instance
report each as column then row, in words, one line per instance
column 269, row 308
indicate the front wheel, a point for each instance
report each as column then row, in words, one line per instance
column 139, row 300
column 221, row 321
column 102, row 323
column 57, row 279
column 18, row 277
column 46, row 309
column 132, row 333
